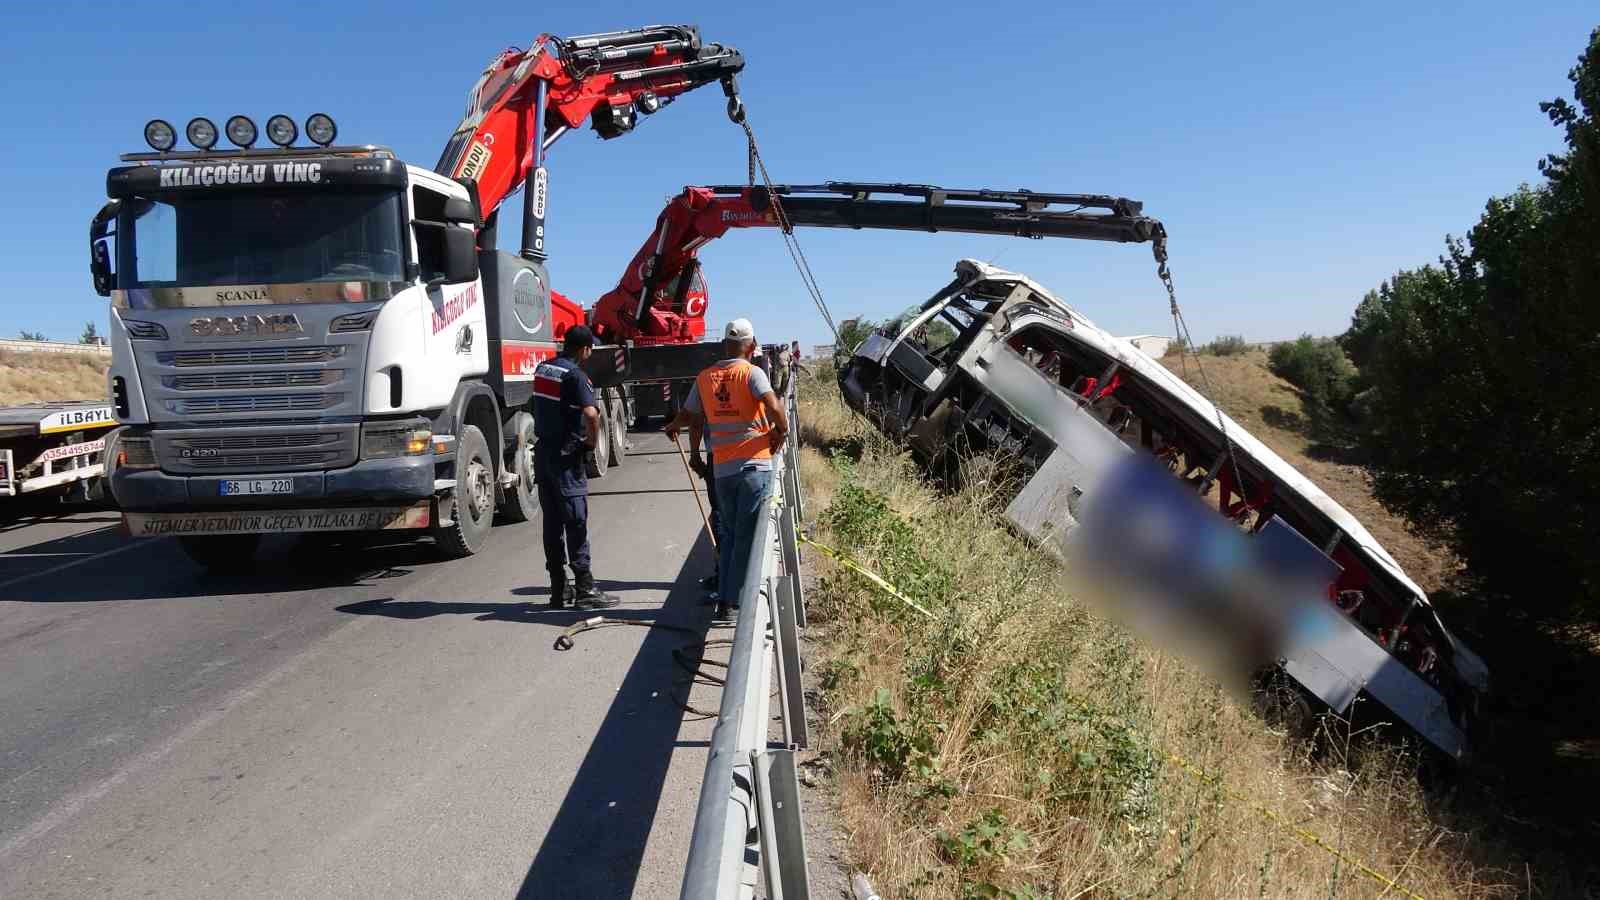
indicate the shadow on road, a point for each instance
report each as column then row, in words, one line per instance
column 597, row 839
column 543, row 590
column 160, row 570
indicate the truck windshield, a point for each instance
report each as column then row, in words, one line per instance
column 207, row 239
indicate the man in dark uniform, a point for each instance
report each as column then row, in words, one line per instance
column 566, row 420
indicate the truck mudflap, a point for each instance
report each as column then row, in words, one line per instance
column 277, row 521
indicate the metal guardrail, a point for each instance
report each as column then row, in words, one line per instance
column 54, row 347
column 748, row 828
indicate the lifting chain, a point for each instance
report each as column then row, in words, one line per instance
column 785, row 227
column 1158, row 246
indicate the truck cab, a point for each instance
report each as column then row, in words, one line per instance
column 309, row 339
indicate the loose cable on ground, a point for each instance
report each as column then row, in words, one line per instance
column 680, row 655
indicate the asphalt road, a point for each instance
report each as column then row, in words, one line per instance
column 350, row 721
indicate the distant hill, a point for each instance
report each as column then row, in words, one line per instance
column 1274, row 411
column 32, row 377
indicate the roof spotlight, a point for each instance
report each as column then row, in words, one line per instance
column 159, row 135
column 282, row 131
column 201, row 132
column 320, row 129
column 241, row 131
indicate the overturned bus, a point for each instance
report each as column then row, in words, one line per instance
column 995, row 363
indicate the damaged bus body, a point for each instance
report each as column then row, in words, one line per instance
column 1017, row 373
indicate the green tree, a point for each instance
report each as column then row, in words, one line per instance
column 32, row 336
column 1482, row 375
column 90, row 335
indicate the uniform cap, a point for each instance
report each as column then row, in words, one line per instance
column 578, row 336
column 739, row 330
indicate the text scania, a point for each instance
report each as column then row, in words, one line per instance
column 453, row 308
column 234, row 173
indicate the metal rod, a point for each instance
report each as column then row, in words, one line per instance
column 694, row 485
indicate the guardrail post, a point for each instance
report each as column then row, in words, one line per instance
column 791, row 564
column 790, row 669
column 783, row 837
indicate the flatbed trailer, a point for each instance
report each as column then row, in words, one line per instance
column 54, row 449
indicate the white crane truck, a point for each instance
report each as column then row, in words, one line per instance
column 325, row 338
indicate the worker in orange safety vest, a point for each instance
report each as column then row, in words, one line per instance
column 734, row 408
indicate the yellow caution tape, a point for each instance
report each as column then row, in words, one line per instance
column 1304, row 834
column 855, row 567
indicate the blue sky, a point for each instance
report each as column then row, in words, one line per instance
column 1298, row 156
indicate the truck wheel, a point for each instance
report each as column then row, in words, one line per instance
column 473, row 507
column 224, row 554
column 618, row 417
column 522, row 498
column 602, row 448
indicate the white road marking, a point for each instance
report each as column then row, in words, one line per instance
column 67, row 565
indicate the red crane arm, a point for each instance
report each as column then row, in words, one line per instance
column 526, row 99
column 666, row 268
column 667, row 271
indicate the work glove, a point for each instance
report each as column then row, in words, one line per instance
column 698, row 464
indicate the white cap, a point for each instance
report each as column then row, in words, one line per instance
column 739, row 330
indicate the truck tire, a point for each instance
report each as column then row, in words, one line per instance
column 522, row 498
column 618, row 418
column 223, row 554
column 592, row 460
column 472, row 509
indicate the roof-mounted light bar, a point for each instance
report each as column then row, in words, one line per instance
column 241, row 130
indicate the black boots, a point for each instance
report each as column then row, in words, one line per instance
column 561, row 591
column 590, row 598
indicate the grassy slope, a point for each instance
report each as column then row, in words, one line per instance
column 32, row 377
column 1015, row 743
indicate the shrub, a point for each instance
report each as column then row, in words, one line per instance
column 1318, row 367
column 1226, row 345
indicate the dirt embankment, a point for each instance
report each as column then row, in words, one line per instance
column 35, row 377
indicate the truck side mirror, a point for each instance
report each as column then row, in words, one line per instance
column 100, row 268
column 460, row 255
column 99, row 251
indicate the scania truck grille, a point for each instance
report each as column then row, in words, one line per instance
column 236, row 380
column 257, row 449
column 200, row 406
column 252, row 356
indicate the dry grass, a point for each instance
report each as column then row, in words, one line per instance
column 34, row 377
column 1016, row 746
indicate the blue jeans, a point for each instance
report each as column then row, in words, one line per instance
column 742, row 500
